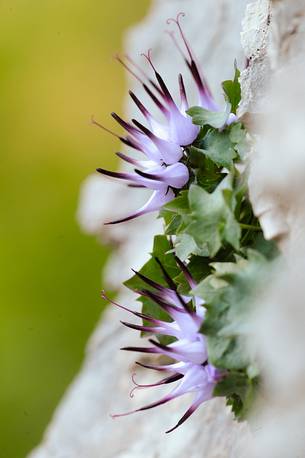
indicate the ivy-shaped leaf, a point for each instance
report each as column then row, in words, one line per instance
column 212, row 218
column 202, row 117
column 218, row 147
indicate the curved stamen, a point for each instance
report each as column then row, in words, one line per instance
column 171, row 33
column 170, row 379
column 153, row 367
column 177, row 22
column 149, row 59
column 119, row 59
column 142, row 72
column 95, row 123
column 137, row 314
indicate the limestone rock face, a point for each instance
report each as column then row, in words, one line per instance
column 276, row 182
column 273, row 38
column 81, row 426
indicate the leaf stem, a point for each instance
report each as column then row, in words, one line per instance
column 249, row 227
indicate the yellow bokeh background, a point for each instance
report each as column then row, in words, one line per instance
column 56, row 70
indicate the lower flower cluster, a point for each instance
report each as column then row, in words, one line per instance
column 188, row 352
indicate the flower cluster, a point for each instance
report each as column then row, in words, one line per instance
column 210, row 226
column 162, row 144
column 189, row 352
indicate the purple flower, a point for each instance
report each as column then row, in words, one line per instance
column 190, row 366
column 162, row 144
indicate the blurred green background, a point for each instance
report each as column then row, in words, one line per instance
column 56, row 70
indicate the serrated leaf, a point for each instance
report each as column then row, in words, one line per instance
column 212, row 218
column 228, row 293
column 219, row 148
column 179, row 205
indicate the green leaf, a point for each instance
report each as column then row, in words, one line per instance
column 218, row 147
column 179, row 205
column 207, row 173
column 239, row 390
column 238, row 136
column 228, row 293
column 201, row 116
column 212, row 217
column 232, row 91
column 173, row 225
column 185, row 245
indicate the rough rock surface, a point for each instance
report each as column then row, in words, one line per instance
column 273, row 38
column 276, row 182
column 81, row 426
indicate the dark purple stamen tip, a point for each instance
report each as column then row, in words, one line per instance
column 138, row 327
column 127, row 158
column 167, row 380
column 187, row 414
column 156, row 100
column 140, row 349
column 182, row 90
column 128, row 127
column 167, row 94
column 173, row 286
column 148, row 281
column 140, row 105
column 127, row 218
column 186, row 272
column 109, row 173
column 167, row 277
column 150, row 366
column 143, row 129
column 162, row 303
column 161, row 346
column 149, row 176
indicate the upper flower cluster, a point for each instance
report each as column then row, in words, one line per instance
column 162, row 144
column 188, row 350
